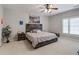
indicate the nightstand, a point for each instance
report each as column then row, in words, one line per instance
column 21, row 36
column 57, row 34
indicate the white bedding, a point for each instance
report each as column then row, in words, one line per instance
column 36, row 38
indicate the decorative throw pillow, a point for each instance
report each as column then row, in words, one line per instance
column 34, row 31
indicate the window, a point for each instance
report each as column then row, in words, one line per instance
column 74, row 26
column 71, row 26
column 65, row 26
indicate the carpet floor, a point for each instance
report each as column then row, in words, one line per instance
column 64, row 46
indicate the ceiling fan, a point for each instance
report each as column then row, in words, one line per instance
column 48, row 8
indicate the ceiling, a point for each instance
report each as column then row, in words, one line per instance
column 34, row 8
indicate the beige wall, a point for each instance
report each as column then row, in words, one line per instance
column 56, row 21
column 13, row 17
column 44, row 20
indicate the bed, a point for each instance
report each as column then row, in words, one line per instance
column 37, row 37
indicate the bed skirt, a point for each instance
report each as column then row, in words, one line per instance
column 44, row 43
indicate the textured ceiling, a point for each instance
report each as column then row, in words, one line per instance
column 34, row 8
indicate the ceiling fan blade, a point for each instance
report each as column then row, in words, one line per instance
column 42, row 10
column 55, row 8
column 41, row 6
column 50, row 12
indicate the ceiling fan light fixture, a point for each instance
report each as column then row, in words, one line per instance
column 45, row 10
column 48, row 8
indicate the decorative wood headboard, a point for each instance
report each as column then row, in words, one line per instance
column 30, row 27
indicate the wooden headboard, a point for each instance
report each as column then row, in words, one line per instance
column 30, row 27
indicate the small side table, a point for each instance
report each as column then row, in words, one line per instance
column 21, row 36
column 57, row 34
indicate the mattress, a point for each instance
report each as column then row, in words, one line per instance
column 36, row 38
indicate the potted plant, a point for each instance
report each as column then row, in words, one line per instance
column 6, row 33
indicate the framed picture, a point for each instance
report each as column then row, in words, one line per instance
column 34, row 19
column 21, row 22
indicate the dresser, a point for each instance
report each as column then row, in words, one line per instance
column 21, row 36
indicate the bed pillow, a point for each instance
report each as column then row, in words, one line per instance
column 36, row 31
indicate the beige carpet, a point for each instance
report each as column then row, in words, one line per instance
column 64, row 46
